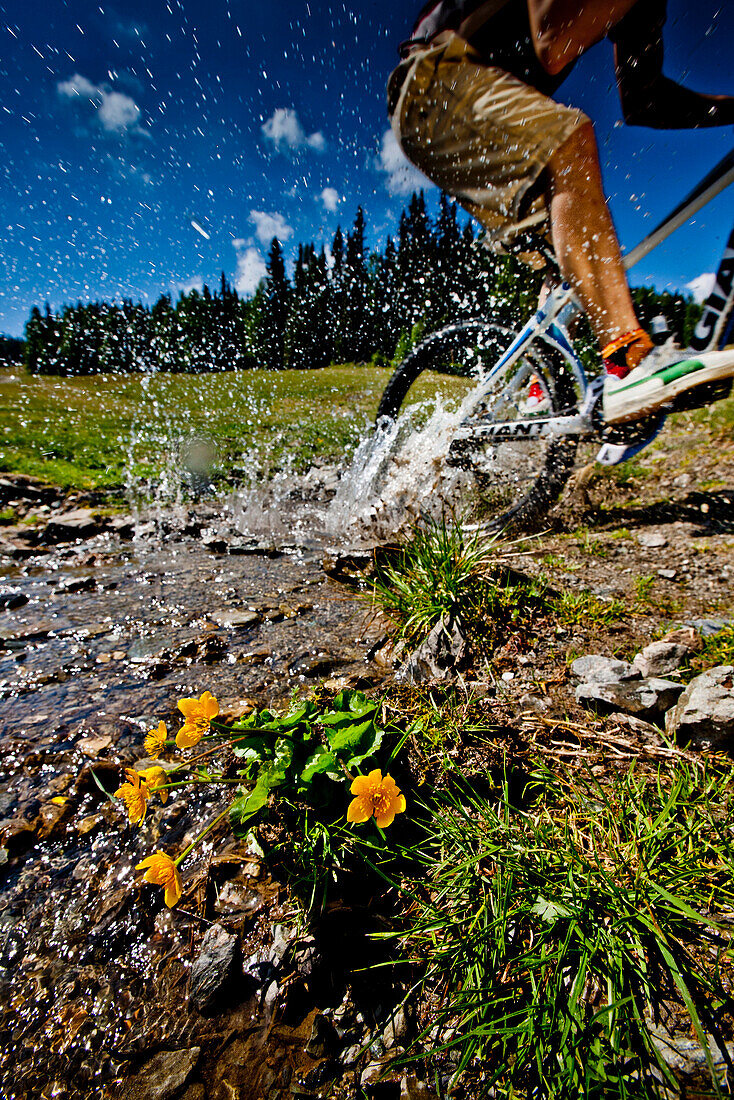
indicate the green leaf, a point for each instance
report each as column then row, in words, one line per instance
column 368, row 749
column 550, row 911
column 282, row 760
column 322, row 761
column 252, row 748
column 352, row 738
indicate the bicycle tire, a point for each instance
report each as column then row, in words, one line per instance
column 541, row 467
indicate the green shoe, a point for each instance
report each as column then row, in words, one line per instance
column 652, row 384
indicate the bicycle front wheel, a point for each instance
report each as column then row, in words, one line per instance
column 504, row 480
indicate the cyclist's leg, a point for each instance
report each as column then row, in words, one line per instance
column 584, row 238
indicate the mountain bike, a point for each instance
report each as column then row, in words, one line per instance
column 517, row 461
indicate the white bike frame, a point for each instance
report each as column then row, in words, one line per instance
column 552, row 318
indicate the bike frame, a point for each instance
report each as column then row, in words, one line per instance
column 552, row 319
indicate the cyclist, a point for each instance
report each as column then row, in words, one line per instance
column 470, row 106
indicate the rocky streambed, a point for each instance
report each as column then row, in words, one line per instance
column 106, row 620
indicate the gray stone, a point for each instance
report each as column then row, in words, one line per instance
column 659, row 658
column 77, row 524
column 163, row 1076
column 645, row 698
column 595, row 669
column 237, row 619
column 212, row 968
column 396, row 1029
column 685, row 1055
column 536, row 704
column 704, row 715
column 708, row 627
column 667, row 574
column 440, row 657
column 652, row 540
column 283, row 936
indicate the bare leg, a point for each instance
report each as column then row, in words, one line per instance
column 584, row 239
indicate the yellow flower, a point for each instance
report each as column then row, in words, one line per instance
column 155, row 778
column 375, row 795
column 155, row 740
column 135, row 795
column 162, row 871
column 198, row 714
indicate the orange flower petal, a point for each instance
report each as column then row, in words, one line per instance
column 173, row 890
column 209, row 705
column 189, row 707
column 360, row 786
column 360, row 810
column 383, row 820
column 188, row 736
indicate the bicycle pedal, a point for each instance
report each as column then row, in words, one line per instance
column 700, row 396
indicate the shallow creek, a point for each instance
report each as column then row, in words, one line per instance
column 100, row 638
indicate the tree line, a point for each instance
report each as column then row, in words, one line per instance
column 347, row 305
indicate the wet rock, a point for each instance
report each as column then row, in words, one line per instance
column 213, row 541
column 703, row 717
column 107, row 774
column 596, row 669
column 321, row 665
column 76, row 584
column 411, row 1088
column 646, row 698
column 283, row 936
column 17, row 835
column 10, row 601
column 687, row 1058
column 213, row 969
column 163, row 1076
column 440, row 657
column 659, row 658
column 238, row 620
column 80, row 523
column 323, row 1038
column 396, row 1029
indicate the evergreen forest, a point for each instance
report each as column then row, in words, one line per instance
column 347, row 305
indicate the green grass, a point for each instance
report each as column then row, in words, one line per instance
column 442, row 570
column 96, row 432
column 578, row 608
column 553, row 921
column 718, row 649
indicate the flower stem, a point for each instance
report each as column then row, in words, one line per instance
column 201, row 836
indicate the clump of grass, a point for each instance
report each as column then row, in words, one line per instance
column 584, row 608
column 555, row 927
column 718, row 649
column 442, row 570
column 643, row 588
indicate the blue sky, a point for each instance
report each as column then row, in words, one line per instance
column 124, row 123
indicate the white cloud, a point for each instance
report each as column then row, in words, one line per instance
column 402, row 176
column 114, row 112
column 268, row 226
column 702, row 285
column 286, row 134
column 330, row 198
column 250, row 270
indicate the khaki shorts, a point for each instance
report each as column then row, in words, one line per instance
column 478, row 133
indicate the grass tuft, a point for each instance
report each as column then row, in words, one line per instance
column 556, row 928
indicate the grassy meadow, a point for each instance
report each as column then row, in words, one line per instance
column 102, row 431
